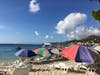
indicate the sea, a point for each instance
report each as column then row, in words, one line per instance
column 7, row 51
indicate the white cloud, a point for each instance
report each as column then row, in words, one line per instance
column 47, row 36
column 2, row 27
column 34, row 6
column 82, row 32
column 70, row 22
column 36, row 33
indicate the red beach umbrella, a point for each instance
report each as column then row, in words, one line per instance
column 36, row 50
column 77, row 53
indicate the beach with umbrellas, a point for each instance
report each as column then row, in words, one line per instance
column 72, row 60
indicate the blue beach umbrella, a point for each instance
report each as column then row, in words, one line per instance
column 25, row 53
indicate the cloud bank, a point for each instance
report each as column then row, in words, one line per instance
column 70, row 22
column 34, row 6
column 82, row 32
column 70, row 27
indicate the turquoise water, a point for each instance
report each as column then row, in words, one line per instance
column 7, row 51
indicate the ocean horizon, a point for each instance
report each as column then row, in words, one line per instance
column 7, row 51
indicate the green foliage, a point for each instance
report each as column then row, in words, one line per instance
column 96, row 15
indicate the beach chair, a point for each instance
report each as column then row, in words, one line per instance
column 19, row 63
column 59, row 65
column 90, row 71
column 19, row 71
column 80, row 68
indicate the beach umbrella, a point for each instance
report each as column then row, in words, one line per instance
column 62, row 49
column 55, row 51
column 46, row 54
column 43, row 52
column 95, row 49
column 92, row 49
column 95, row 54
column 77, row 53
column 36, row 50
column 25, row 53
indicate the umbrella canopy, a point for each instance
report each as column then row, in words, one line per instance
column 91, row 47
column 36, row 50
column 77, row 53
column 55, row 51
column 96, row 49
column 43, row 52
column 62, row 49
column 25, row 53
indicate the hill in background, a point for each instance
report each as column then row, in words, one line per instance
column 88, row 41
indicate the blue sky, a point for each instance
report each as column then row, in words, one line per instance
column 37, row 21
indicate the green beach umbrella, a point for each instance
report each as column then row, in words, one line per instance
column 41, row 52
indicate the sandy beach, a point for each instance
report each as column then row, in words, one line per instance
column 44, row 69
column 57, row 73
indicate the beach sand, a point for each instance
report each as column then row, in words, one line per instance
column 56, row 71
column 60, row 73
column 36, row 70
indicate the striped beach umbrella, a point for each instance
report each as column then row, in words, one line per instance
column 77, row 53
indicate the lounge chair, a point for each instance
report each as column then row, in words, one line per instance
column 80, row 68
column 60, row 65
column 90, row 71
column 83, row 67
column 19, row 63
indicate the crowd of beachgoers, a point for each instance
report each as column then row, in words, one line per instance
column 51, row 61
